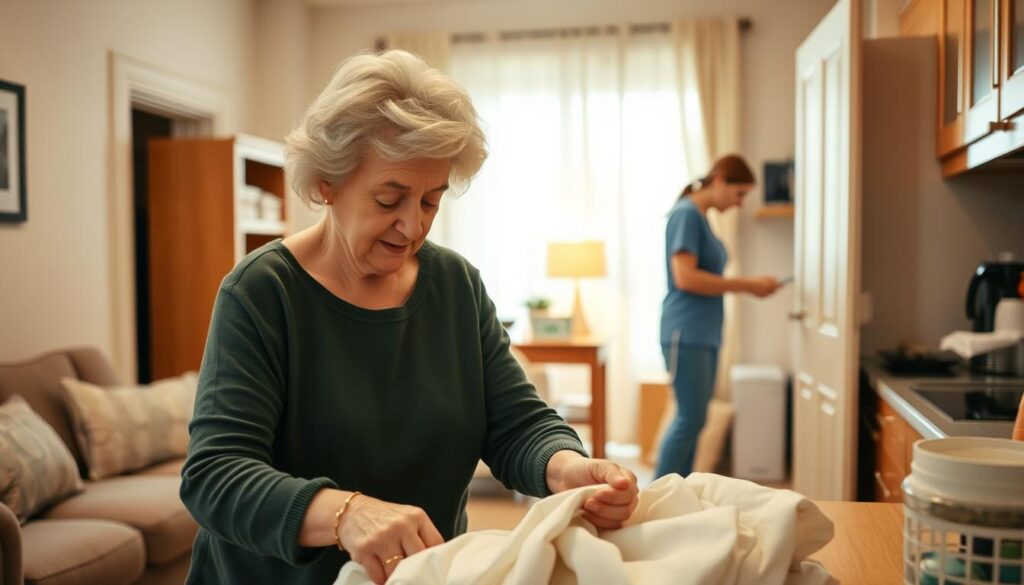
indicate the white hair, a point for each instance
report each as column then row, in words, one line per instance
column 395, row 103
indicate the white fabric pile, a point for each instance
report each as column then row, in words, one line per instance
column 704, row 529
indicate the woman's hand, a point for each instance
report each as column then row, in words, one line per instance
column 378, row 534
column 610, row 506
column 762, row 286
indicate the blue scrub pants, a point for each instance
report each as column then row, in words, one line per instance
column 693, row 369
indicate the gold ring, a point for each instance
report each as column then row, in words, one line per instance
column 390, row 560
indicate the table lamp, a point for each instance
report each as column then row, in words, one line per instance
column 576, row 260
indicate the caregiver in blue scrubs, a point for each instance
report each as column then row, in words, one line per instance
column 691, row 314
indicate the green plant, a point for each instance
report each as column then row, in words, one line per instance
column 537, row 303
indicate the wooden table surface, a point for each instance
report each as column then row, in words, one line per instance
column 868, row 543
column 590, row 351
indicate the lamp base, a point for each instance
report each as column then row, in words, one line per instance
column 580, row 328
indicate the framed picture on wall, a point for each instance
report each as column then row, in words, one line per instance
column 778, row 182
column 12, row 152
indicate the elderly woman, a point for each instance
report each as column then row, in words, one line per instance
column 355, row 372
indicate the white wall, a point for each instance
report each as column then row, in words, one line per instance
column 769, row 50
column 55, row 281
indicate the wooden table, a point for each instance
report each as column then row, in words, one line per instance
column 868, row 542
column 590, row 351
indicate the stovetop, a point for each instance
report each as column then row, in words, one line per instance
column 974, row 401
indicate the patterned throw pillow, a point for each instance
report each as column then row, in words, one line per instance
column 36, row 467
column 128, row 428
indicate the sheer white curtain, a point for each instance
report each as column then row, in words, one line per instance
column 586, row 142
column 708, row 59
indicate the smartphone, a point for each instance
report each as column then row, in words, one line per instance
column 785, row 280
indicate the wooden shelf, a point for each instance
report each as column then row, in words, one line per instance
column 772, row 211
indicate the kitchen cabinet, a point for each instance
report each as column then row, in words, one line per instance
column 198, row 231
column 951, row 77
column 1011, row 79
column 980, row 80
column 981, row 90
column 893, row 439
column 919, row 18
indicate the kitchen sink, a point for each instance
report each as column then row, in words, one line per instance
column 974, row 401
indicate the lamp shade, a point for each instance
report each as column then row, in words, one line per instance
column 576, row 259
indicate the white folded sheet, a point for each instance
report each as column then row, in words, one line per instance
column 969, row 343
column 702, row 529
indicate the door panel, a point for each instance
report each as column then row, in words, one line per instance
column 830, row 201
column 826, row 256
column 805, row 431
column 811, row 171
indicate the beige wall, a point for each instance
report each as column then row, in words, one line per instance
column 55, row 281
column 281, row 80
column 922, row 236
column 769, row 50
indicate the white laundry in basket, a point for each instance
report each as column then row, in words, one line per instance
column 704, row 529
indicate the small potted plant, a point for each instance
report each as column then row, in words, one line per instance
column 538, row 306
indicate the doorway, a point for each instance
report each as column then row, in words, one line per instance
column 191, row 109
column 145, row 126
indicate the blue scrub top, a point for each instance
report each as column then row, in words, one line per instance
column 696, row 318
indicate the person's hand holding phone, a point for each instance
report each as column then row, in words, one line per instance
column 762, row 286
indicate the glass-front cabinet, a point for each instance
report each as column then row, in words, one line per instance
column 981, row 69
column 1012, row 57
column 951, row 76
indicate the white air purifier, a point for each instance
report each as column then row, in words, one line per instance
column 759, row 425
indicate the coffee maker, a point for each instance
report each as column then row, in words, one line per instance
column 993, row 281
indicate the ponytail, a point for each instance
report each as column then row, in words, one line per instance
column 731, row 168
column 695, row 186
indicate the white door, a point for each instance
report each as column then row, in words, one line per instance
column 826, row 249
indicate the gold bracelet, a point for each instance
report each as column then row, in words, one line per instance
column 337, row 519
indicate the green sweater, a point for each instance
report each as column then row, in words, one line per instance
column 300, row 391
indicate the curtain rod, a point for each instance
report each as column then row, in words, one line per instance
column 744, row 25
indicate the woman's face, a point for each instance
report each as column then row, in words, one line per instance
column 729, row 195
column 384, row 211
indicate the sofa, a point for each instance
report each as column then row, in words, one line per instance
column 131, row 528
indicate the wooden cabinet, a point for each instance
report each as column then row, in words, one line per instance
column 919, row 18
column 981, row 79
column 981, row 92
column 198, row 231
column 893, row 445
column 1011, row 78
column 951, row 77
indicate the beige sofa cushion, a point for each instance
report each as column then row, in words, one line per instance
column 89, row 551
column 147, row 502
column 36, row 468
column 172, row 468
column 129, row 428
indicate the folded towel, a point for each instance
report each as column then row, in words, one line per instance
column 703, row 529
column 969, row 344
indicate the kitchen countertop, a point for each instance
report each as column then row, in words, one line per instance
column 868, row 543
column 925, row 418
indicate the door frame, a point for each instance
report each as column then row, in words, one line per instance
column 197, row 110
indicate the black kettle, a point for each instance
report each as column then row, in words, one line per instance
column 992, row 281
